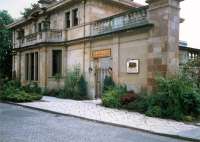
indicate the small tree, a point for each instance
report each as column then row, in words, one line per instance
column 82, row 87
column 28, row 11
column 108, row 83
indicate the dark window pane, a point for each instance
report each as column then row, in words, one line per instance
column 32, row 66
column 40, row 27
column 57, row 62
column 75, row 17
column 26, row 66
column 36, row 66
column 67, row 18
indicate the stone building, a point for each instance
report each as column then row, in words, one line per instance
column 121, row 38
column 187, row 53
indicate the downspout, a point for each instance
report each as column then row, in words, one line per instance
column 84, row 2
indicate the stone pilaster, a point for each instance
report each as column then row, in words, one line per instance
column 163, row 50
column 43, row 67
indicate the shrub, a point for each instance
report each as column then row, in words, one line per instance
column 108, row 83
column 112, row 97
column 128, row 97
column 192, row 70
column 75, row 85
column 12, row 91
column 82, row 87
column 140, row 104
column 32, row 88
column 177, row 97
column 154, row 111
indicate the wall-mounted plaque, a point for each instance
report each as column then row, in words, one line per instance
column 101, row 53
column 133, row 66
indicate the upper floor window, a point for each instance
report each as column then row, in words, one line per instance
column 75, row 17
column 67, row 18
column 39, row 27
column 20, row 34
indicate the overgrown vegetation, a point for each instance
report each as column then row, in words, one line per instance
column 30, row 10
column 13, row 91
column 75, row 86
column 112, row 96
column 5, row 45
column 175, row 97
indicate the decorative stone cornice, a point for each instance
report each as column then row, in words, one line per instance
column 149, row 1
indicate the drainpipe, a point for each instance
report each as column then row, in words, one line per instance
column 84, row 34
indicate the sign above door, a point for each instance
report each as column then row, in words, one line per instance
column 101, row 53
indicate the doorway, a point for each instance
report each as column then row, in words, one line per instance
column 103, row 68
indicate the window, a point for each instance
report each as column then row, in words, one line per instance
column 20, row 34
column 57, row 62
column 35, row 28
column 31, row 66
column 75, row 17
column 39, row 27
column 67, row 18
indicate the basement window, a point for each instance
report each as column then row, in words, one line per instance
column 57, row 62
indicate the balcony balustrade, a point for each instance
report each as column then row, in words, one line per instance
column 129, row 19
column 47, row 36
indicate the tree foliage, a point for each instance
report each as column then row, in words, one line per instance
column 5, row 45
column 28, row 11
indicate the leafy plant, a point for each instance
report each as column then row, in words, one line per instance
column 12, row 91
column 112, row 97
column 32, row 88
column 108, row 83
column 5, row 45
column 75, row 86
column 28, row 11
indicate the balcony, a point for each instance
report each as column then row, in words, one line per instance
column 123, row 21
column 41, row 37
column 129, row 19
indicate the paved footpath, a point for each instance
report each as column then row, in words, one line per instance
column 93, row 111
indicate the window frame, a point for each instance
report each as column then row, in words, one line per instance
column 66, row 21
column 73, row 17
column 56, row 67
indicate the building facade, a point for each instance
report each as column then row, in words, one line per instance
column 128, row 41
column 187, row 53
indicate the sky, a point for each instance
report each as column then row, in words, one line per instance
column 189, row 30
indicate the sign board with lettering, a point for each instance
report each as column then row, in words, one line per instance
column 101, row 53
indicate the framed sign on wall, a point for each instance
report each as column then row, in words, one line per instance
column 133, row 66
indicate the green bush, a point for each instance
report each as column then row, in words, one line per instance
column 14, row 92
column 32, row 88
column 75, row 86
column 175, row 97
column 154, row 111
column 112, row 97
column 139, row 105
column 108, row 83
column 82, row 87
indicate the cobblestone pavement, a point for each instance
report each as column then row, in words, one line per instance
column 92, row 110
column 19, row 124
